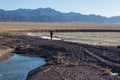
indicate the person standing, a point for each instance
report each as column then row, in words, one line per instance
column 51, row 35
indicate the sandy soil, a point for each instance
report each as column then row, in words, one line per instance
column 17, row 26
column 5, row 52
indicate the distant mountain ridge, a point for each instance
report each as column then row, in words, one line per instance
column 51, row 15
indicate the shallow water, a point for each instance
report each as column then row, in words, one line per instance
column 17, row 67
column 94, row 38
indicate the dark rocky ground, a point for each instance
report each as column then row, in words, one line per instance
column 67, row 60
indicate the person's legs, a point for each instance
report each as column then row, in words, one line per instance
column 51, row 34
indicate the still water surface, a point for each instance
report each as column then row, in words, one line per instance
column 94, row 38
column 17, row 67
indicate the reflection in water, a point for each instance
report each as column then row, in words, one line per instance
column 17, row 67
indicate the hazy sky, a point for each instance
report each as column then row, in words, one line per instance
column 100, row 7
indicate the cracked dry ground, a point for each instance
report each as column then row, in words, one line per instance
column 67, row 60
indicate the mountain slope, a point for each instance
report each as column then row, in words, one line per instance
column 51, row 15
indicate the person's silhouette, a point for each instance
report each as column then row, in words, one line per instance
column 51, row 34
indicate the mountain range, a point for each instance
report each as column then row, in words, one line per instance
column 51, row 15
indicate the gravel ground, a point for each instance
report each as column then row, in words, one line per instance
column 67, row 60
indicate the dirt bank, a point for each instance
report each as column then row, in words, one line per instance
column 66, row 60
column 5, row 52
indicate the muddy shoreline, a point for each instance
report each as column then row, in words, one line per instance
column 67, row 60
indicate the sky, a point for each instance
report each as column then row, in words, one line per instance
column 106, row 8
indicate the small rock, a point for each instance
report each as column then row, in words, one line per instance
column 113, row 74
